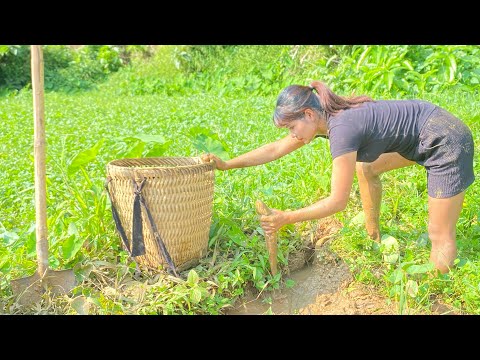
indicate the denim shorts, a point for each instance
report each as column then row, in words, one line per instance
column 446, row 151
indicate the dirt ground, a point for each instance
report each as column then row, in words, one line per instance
column 351, row 299
column 323, row 286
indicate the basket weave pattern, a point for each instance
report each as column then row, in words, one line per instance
column 179, row 193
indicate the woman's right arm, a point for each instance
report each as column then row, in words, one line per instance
column 261, row 155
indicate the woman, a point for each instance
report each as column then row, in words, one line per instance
column 372, row 137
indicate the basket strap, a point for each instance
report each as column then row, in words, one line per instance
column 116, row 218
column 153, row 227
column 138, row 244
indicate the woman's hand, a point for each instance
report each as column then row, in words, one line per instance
column 273, row 222
column 219, row 163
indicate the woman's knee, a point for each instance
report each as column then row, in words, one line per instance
column 365, row 170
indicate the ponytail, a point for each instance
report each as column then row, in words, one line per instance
column 332, row 103
column 295, row 99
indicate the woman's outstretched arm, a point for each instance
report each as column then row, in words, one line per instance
column 259, row 156
column 343, row 172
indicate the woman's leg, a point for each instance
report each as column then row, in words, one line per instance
column 368, row 175
column 443, row 215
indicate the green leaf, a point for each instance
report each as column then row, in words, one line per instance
column 53, row 262
column 72, row 229
column 213, row 240
column 267, row 300
column 395, row 290
column 390, row 249
column 390, row 76
column 396, row 276
column 71, row 246
column 196, row 295
column 405, row 265
column 422, row 240
column 268, row 74
column 157, row 149
column 452, row 68
column 420, row 269
column 332, row 58
column 267, row 191
column 192, row 278
column 84, row 270
column 31, row 243
column 411, row 287
column 199, row 130
column 84, row 157
column 136, row 150
column 209, row 145
column 235, row 233
column 4, row 264
column 9, row 237
column 269, row 311
column 362, row 57
column 257, row 273
column 80, row 305
column 408, row 65
column 3, row 49
column 289, row 283
column 358, row 219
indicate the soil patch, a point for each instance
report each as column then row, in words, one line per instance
column 323, row 285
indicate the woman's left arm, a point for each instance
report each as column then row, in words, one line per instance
column 343, row 172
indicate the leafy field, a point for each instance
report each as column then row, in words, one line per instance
column 86, row 130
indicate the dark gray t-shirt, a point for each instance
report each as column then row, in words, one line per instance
column 378, row 127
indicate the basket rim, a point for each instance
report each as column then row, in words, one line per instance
column 113, row 164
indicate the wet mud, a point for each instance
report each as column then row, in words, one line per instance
column 323, row 285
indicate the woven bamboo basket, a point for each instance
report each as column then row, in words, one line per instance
column 179, row 194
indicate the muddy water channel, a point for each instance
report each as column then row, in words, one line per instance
column 325, row 274
column 322, row 284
